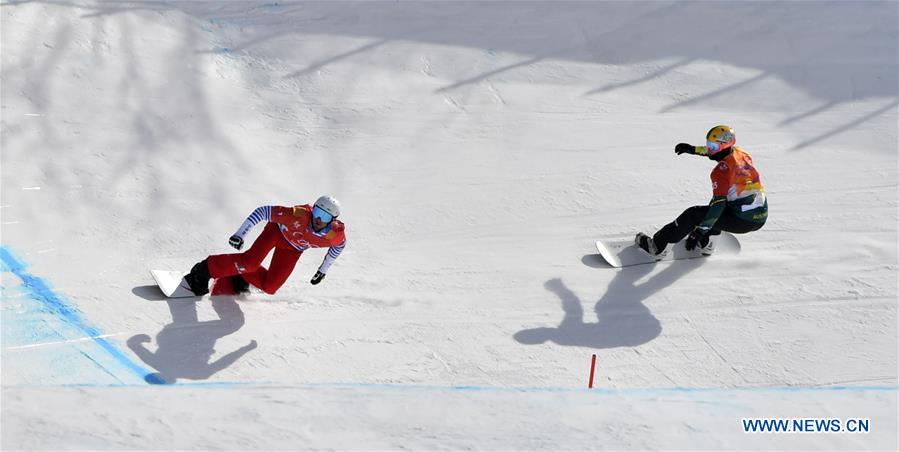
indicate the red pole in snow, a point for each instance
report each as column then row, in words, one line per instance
column 592, row 368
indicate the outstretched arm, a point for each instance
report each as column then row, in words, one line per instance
column 684, row 148
column 263, row 213
column 333, row 253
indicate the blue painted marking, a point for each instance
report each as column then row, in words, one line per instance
column 605, row 391
column 52, row 303
column 531, row 389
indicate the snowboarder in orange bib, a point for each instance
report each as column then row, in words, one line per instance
column 738, row 202
column 289, row 231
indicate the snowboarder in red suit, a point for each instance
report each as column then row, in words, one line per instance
column 288, row 231
column 738, row 203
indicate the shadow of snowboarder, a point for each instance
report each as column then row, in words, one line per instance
column 185, row 346
column 624, row 321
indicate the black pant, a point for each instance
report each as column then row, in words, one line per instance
column 685, row 223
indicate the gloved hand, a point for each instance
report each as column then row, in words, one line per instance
column 236, row 242
column 684, row 148
column 697, row 238
column 319, row 276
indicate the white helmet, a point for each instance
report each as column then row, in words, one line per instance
column 328, row 204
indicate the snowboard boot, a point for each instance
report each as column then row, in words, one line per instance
column 645, row 243
column 240, row 285
column 707, row 248
column 198, row 278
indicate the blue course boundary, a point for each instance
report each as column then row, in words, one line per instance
column 39, row 290
column 522, row 389
column 42, row 292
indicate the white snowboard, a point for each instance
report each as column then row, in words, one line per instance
column 624, row 253
column 172, row 283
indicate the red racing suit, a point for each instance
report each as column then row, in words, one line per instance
column 289, row 232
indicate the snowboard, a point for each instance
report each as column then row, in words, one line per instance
column 624, row 253
column 172, row 283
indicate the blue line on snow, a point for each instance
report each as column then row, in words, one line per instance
column 527, row 389
column 42, row 292
column 608, row 391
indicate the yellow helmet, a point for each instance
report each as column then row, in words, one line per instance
column 720, row 138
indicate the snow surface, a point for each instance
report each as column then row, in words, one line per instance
column 479, row 150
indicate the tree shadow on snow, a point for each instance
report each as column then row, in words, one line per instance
column 623, row 319
column 185, row 346
column 824, row 65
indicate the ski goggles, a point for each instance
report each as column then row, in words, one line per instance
column 321, row 214
column 713, row 146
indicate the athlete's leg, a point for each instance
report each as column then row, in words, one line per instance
column 734, row 224
column 283, row 262
column 679, row 228
column 222, row 265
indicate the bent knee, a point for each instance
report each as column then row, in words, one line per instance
column 270, row 289
column 247, row 266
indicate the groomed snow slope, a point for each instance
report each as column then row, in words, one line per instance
column 479, row 150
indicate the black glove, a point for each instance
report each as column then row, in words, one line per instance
column 319, row 276
column 684, row 148
column 236, row 242
column 698, row 237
